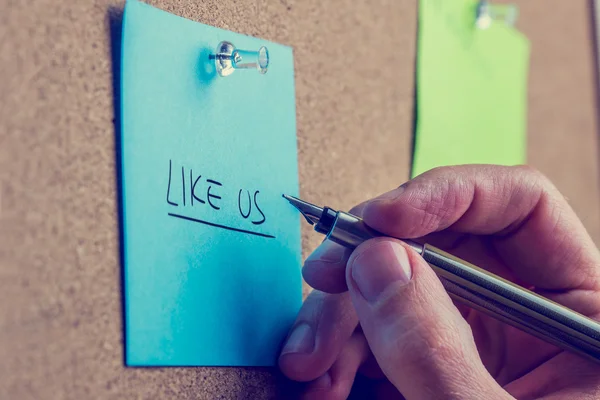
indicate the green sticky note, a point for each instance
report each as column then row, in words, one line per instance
column 471, row 89
column 212, row 251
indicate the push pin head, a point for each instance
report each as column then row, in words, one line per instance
column 486, row 13
column 483, row 19
column 228, row 59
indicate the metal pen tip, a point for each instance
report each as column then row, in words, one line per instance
column 311, row 212
column 288, row 197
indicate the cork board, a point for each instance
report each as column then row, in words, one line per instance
column 60, row 302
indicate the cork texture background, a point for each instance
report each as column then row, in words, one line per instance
column 60, row 293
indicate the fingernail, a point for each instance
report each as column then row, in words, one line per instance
column 301, row 340
column 378, row 266
column 327, row 253
column 323, row 382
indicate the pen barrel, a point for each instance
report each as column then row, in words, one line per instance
column 517, row 306
column 344, row 228
column 349, row 230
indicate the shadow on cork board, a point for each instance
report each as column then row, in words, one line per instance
column 115, row 19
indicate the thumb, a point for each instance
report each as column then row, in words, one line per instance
column 419, row 338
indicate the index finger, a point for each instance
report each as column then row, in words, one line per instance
column 325, row 268
column 531, row 226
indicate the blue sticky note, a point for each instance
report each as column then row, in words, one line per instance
column 211, row 249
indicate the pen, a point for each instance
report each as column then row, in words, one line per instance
column 473, row 286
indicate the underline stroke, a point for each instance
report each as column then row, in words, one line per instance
column 229, row 228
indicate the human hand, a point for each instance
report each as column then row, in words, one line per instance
column 380, row 311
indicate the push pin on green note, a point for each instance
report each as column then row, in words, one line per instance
column 228, row 59
column 486, row 13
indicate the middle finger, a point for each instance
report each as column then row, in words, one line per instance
column 323, row 326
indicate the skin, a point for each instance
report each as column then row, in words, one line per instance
column 379, row 314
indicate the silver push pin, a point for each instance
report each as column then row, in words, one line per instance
column 228, row 59
column 486, row 13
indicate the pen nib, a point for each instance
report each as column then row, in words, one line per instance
column 311, row 212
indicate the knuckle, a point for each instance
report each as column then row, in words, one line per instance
column 412, row 332
column 417, row 335
column 531, row 174
column 527, row 188
column 435, row 201
column 312, row 307
column 421, row 345
column 528, row 169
